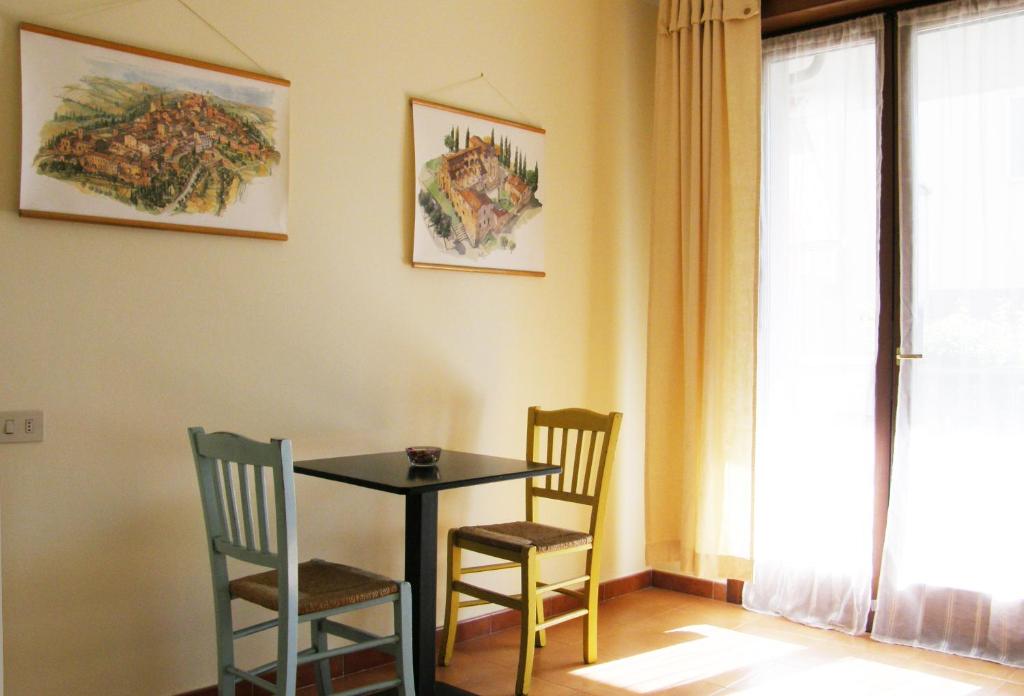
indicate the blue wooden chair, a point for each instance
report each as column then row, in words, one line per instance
column 233, row 483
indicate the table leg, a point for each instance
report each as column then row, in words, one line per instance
column 421, row 572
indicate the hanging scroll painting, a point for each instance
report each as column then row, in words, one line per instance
column 127, row 136
column 479, row 200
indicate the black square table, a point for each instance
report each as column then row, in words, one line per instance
column 390, row 472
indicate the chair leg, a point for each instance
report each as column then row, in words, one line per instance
column 322, row 669
column 528, row 622
column 542, row 637
column 287, row 626
column 403, row 627
column 451, row 611
column 590, row 619
column 225, row 642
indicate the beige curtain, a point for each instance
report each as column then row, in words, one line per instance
column 702, row 320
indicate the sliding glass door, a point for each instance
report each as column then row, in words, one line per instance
column 953, row 570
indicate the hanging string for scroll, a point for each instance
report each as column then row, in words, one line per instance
column 477, row 78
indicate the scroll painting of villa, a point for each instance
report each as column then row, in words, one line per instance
column 479, row 200
column 126, row 136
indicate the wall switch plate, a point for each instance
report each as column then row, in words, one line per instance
column 21, row 426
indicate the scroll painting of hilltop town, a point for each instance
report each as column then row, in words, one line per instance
column 477, row 191
column 165, row 149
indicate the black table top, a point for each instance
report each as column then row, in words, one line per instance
column 391, row 472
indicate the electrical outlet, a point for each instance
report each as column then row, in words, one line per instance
column 21, row 426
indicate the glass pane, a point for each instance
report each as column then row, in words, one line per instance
column 963, row 404
column 817, row 327
column 953, row 571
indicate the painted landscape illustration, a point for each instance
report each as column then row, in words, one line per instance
column 477, row 192
column 156, row 149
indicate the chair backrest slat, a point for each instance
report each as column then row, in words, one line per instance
column 243, row 489
column 565, row 442
column 232, row 504
column 218, row 495
column 576, row 460
column 261, row 510
column 551, row 448
column 586, row 487
column 590, row 462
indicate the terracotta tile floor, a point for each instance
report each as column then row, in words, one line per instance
column 661, row 642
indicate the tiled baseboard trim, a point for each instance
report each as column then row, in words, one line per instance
column 723, row 590
column 467, row 629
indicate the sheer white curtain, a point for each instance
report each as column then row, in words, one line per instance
column 817, row 327
column 953, row 566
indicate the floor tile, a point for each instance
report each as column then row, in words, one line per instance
column 964, row 664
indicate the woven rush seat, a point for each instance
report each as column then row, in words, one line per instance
column 516, row 536
column 322, row 585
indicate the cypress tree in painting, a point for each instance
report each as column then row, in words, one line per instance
column 533, row 177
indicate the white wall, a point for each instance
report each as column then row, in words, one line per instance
column 127, row 337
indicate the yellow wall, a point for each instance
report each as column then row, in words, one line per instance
column 127, row 337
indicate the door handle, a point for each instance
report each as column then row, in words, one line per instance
column 901, row 356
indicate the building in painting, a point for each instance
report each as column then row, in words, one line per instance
column 517, row 191
column 465, row 177
column 476, row 167
column 477, row 213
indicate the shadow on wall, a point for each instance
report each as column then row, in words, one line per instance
column 616, row 375
column 436, row 408
column 408, row 170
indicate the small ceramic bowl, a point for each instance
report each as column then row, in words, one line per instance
column 423, row 456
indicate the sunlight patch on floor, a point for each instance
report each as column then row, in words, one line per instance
column 856, row 677
column 716, row 651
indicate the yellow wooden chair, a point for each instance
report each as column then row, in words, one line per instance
column 584, row 480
